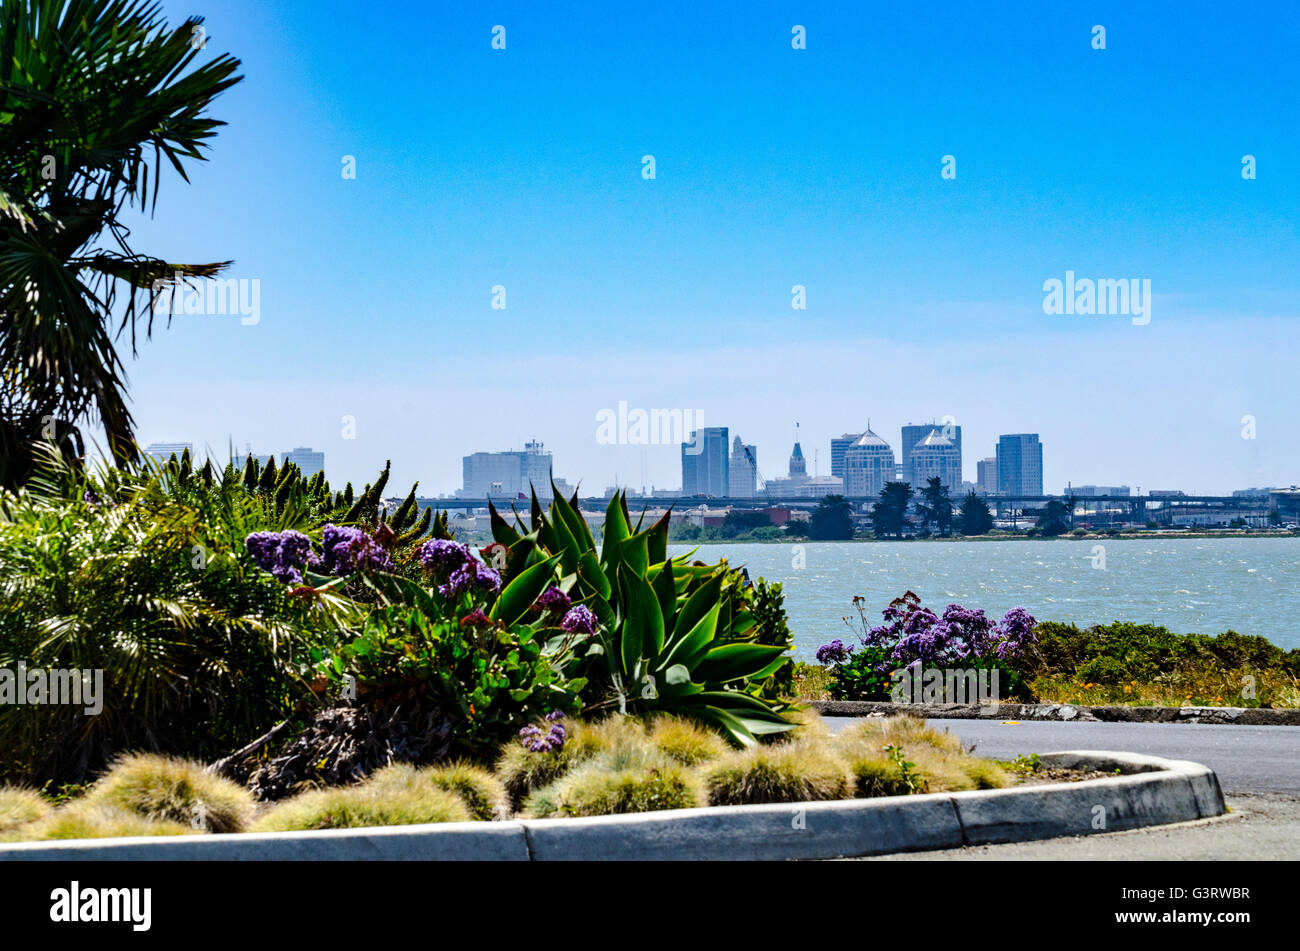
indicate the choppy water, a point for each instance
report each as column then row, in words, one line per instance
column 1203, row 586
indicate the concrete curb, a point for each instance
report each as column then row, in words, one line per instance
column 1152, row 791
column 1246, row 716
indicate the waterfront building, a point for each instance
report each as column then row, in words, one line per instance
column 507, row 474
column 839, row 446
column 743, row 470
column 936, row 455
column 913, row 436
column 162, row 451
column 705, row 463
column 309, row 461
column 1020, row 464
column 868, row 465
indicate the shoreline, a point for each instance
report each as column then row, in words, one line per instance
column 1020, row 537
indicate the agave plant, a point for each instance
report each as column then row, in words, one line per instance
column 671, row 635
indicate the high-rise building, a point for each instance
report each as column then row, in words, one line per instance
column 743, row 475
column 1020, row 464
column 937, row 455
column 868, row 465
column 839, row 446
column 507, row 474
column 986, row 475
column 913, row 434
column 705, row 469
column 162, row 451
column 309, row 461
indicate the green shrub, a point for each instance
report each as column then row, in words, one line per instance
column 172, row 790
column 596, row 789
column 481, row 792
column 785, row 772
column 370, row 804
column 20, row 807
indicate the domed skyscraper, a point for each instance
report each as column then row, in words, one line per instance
column 868, row 465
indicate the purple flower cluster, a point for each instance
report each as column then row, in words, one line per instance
column 553, row 599
column 579, row 620
column 348, row 550
column 913, row 634
column 457, row 564
column 833, row 653
column 473, row 575
column 438, row 554
column 284, row 554
column 548, row 742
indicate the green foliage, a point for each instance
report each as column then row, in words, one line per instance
column 889, row 515
column 672, row 637
column 974, row 517
column 172, row 790
column 1143, row 652
column 143, row 574
column 832, row 520
column 90, row 92
column 936, row 507
column 1025, row 765
column 906, row 768
column 1055, row 519
column 491, row 677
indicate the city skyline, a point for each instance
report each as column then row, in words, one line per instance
column 481, row 467
column 824, row 170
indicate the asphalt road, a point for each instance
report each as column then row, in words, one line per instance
column 1247, row 759
column 1258, row 769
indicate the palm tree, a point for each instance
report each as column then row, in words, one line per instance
column 95, row 97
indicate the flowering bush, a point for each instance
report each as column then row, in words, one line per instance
column 914, row 635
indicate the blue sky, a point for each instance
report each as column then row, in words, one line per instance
column 774, row 167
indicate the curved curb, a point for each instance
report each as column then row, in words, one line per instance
column 1152, row 791
column 1245, row 716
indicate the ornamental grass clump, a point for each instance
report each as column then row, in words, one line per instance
column 20, row 807
column 897, row 755
column 370, row 804
column 599, row 788
column 874, row 777
column 481, row 792
column 87, row 819
column 685, row 741
column 523, row 768
column 796, row 771
column 174, row 790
